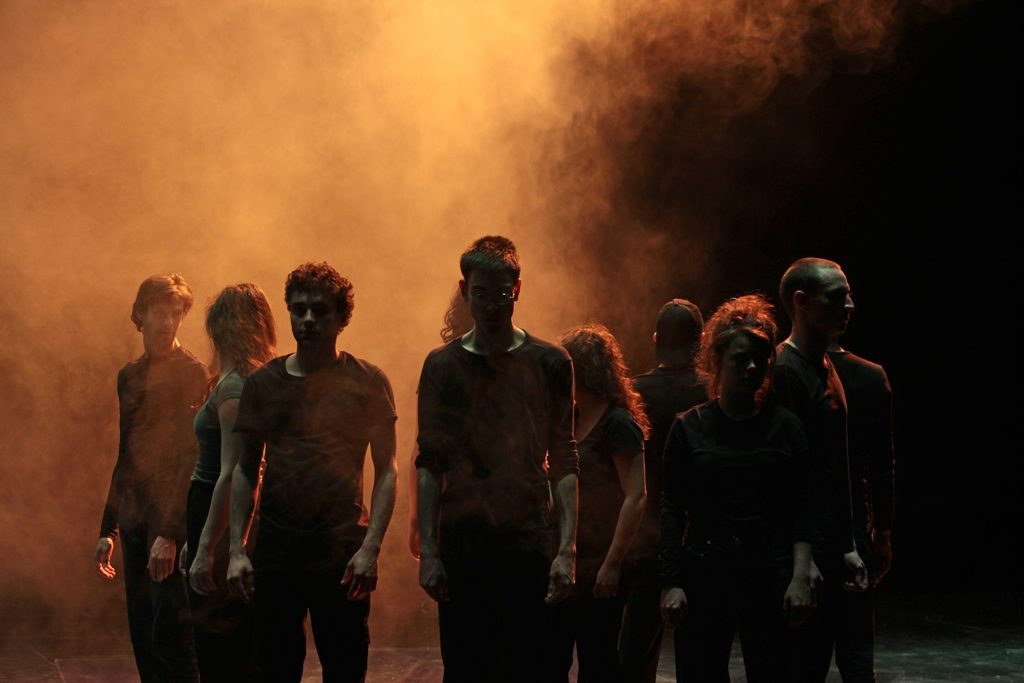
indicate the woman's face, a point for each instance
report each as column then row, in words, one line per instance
column 745, row 363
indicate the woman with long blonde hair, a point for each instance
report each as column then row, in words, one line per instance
column 241, row 328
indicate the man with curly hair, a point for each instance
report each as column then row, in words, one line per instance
column 497, row 470
column 315, row 412
column 157, row 394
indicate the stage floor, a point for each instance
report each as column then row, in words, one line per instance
column 919, row 641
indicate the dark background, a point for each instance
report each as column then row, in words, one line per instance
column 909, row 177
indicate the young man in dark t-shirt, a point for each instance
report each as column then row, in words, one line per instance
column 869, row 398
column 668, row 389
column 315, row 411
column 816, row 296
column 157, row 395
column 496, row 453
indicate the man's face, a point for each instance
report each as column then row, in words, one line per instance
column 160, row 322
column 492, row 299
column 314, row 319
column 745, row 365
column 828, row 309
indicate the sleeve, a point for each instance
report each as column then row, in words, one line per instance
column 230, row 388
column 624, row 434
column 380, row 406
column 108, row 524
column 674, row 504
column 192, row 389
column 809, row 480
column 250, row 409
column 436, row 436
column 882, row 461
column 563, row 458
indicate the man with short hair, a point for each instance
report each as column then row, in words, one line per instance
column 869, row 398
column 315, row 411
column 496, row 453
column 816, row 296
column 158, row 394
column 668, row 389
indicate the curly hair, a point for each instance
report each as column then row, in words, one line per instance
column 491, row 253
column 751, row 315
column 457, row 319
column 241, row 327
column 321, row 278
column 156, row 287
column 601, row 369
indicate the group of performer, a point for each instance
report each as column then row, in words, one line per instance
column 559, row 503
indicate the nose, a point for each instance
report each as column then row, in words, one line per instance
column 848, row 304
column 308, row 316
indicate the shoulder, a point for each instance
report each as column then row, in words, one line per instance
column 363, row 371
column 444, row 353
column 545, row 351
column 271, row 371
column 619, row 420
column 864, row 367
column 187, row 359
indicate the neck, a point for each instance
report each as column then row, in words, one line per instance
column 226, row 366
column 482, row 341
column 739, row 407
column 589, row 404
column 154, row 353
column 811, row 344
column 306, row 360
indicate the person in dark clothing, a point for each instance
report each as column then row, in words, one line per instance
column 240, row 325
column 737, row 515
column 157, row 394
column 869, row 398
column 315, row 411
column 668, row 389
column 496, row 454
column 457, row 322
column 610, row 428
column 817, row 298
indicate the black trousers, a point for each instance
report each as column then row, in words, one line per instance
column 726, row 594
column 494, row 624
column 591, row 625
column 296, row 576
column 642, row 625
column 223, row 624
column 158, row 616
column 843, row 623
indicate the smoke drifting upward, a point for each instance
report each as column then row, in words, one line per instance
column 618, row 144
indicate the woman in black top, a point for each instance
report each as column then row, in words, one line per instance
column 241, row 327
column 736, row 525
column 610, row 431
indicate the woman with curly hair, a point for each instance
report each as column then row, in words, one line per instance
column 241, row 327
column 610, row 431
column 736, row 522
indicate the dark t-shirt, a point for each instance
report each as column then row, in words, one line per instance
column 667, row 391
column 601, row 496
column 157, row 399
column 207, row 428
column 738, row 484
column 813, row 391
column 870, row 438
column 497, row 427
column 316, row 429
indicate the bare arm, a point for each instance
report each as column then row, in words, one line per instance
column 433, row 578
column 361, row 572
column 630, row 468
column 242, row 505
column 231, row 444
column 563, row 569
column 414, row 523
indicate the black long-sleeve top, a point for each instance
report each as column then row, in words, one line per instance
column 498, row 428
column 157, row 401
column 872, row 463
column 812, row 390
column 744, row 480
